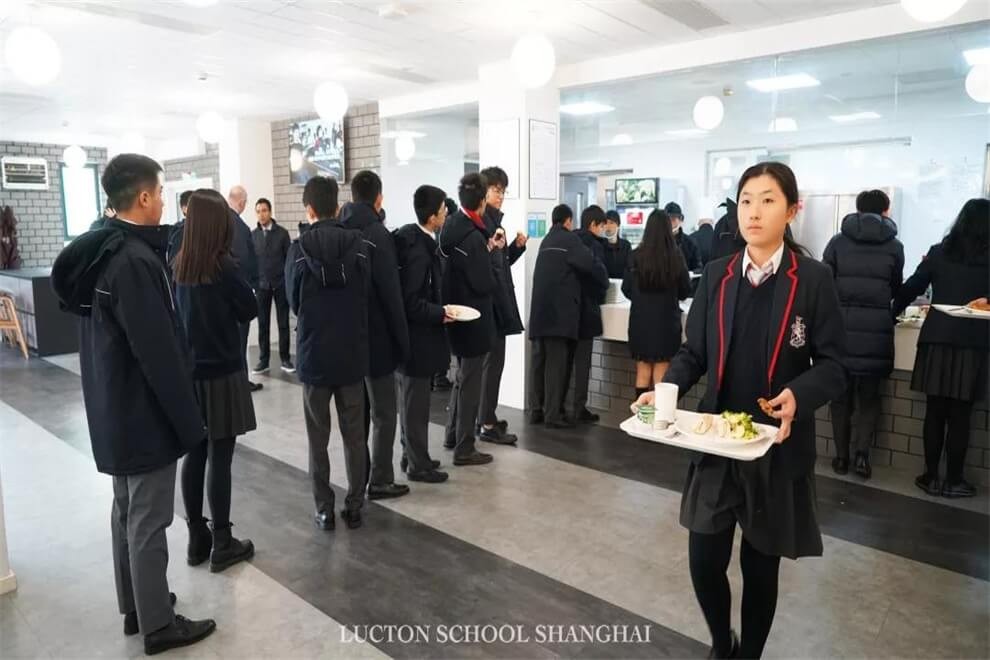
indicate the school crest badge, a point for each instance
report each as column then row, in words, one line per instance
column 798, row 333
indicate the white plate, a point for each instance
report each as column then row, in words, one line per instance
column 708, row 445
column 687, row 420
column 464, row 313
column 962, row 312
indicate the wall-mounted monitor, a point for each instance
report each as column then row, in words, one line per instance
column 635, row 191
column 316, row 147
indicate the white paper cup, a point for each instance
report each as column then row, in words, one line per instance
column 665, row 404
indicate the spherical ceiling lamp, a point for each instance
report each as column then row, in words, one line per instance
column 931, row 11
column 978, row 83
column 722, row 166
column 533, row 60
column 210, row 127
column 74, row 157
column 405, row 148
column 132, row 142
column 330, row 101
column 708, row 112
column 33, row 56
column 295, row 160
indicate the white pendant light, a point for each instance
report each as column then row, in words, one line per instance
column 708, row 112
column 132, row 142
column 330, row 101
column 931, row 11
column 74, row 157
column 33, row 56
column 533, row 60
column 210, row 127
column 783, row 125
column 978, row 83
column 405, row 148
column 722, row 166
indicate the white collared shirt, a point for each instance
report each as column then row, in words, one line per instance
column 769, row 268
column 123, row 219
column 427, row 231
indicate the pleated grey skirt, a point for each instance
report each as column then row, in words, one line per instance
column 226, row 404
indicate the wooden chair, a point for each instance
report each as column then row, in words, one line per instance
column 10, row 324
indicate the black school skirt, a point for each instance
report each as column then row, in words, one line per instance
column 778, row 516
column 226, row 404
column 951, row 371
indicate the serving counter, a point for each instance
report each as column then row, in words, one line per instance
column 47, row 329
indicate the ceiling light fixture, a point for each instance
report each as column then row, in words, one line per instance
column 585, row 108
column 405, row 148
column 855, row 116
column 708, row 112
column 978, row 83
column 931, row 11
column 533, row 60
column 723, row 165
column 622, row 140
column 210, row 127
column 74, row 157
column 330, row 101
column 781, row 83
column 977, row 56
column 686, row 132
column 33, row 56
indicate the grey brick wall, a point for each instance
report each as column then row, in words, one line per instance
column 40, row 216
column 202, row 165
column 362, row 151
column 899, row 434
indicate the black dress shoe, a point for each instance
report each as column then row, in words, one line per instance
column 200, row 542
column 562, row 423
column 255, row 386
column 228, row 550
column 863, row 468
column 387, row 491
column 585, row 416
column 429, row 476
column 733, row 652
column 840, row 465
column 131, row 620
column 324, row 520
column 929, row 483
column 477, row 458
column 497, row 436
column 961, row 488
column 352, row 517
column 536, row 417
column 181, row 632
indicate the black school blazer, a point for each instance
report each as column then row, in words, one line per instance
column 804, row 352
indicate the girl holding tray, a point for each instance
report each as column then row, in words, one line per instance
column 765, row 324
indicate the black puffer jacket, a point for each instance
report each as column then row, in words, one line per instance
column 419, row 274
column 326, row 280
column 594, row 287
column 468, row 280
column 507, row 319
column 556, row 303
column 867, row 262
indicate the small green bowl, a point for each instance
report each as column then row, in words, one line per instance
column 646, row 414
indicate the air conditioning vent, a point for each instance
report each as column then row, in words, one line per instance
column 21, row 173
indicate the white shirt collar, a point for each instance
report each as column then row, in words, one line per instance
column 775, row 260
column 123, row 219
column 427, row 231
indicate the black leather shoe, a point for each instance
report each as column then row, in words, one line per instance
column 477, row 458
column 131, row 621
column 733, row 652
column 429, row 477
column 961, row 488
column 228, row 550
column 387, row 491
column 181, row 632
column 255, row 387
column 497, row 436
column 200, row 542
column 585, row 416
column 863, row 468
column 324, row 520
column 352, row 517
column 840, row 465
column 929, row 483
column 562, row 423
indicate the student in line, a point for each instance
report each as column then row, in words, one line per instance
column 468, row 280
column 327, row 276
column 507, row 319
column 703, row 237
column 212, row 301
column 617, row 249
column 655, row 282
column 555, row 317
column 765, row 323
column 684, row 243
column 867, row 262
column 138, row 389
column 951, row 366
column 420, row 276
column 271, row 244
column 389, row 336
column 594, row 287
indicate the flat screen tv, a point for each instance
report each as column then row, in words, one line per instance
column 316, row 147
column 635, row 191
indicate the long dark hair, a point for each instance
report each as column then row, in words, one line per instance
column 784, row 176
column 969, row 238
column 658, row 260
column 205, row 239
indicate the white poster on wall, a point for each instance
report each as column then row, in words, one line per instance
column 543, row 175
column 499, row 145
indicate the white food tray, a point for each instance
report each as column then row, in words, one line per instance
column 708, row 444
column 962, row 312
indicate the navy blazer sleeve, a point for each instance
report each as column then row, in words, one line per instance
column 514, row 252
column 691, row 361
column 239, row 294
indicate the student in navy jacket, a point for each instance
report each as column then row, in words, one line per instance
column 213, row 300
column 765, row 323
column 326, row 280
column 617, row 249
column 594, row 287
column 420, row 276
column 389, row 336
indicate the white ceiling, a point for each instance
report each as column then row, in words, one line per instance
column 134, row 64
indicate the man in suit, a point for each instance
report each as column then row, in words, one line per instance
column 555, row 316
column 271, row 243
column 242, row 251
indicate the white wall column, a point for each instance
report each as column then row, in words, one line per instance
column 8, row 581
column 501, row 97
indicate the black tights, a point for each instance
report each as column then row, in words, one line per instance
column 220, row 454
column 709, row 559
column 943, row 412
